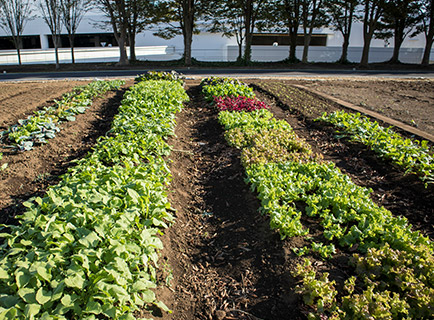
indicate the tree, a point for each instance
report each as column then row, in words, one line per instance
column 312, row 16
column 141, row 13
column 372, row 15
column 341, row 13
column 251, row 10
column 117, row 13
column 13, row 18
column 72, row 14
column 229, row 21
column 52, row 15
column 400, row 19
column 283, row 16
column 427, row 27
column 291, row 10
column 181, row 17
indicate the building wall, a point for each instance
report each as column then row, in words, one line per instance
column 214, row 47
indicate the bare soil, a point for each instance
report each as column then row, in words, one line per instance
column 409, row 101
column 17, row 101
column 225, row 261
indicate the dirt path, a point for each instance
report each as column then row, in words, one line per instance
column 227, row 263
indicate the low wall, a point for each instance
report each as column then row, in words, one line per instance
column 329, row 54
column 86, row 55
column 228, row 53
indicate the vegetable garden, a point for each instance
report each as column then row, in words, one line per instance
column 228, row 203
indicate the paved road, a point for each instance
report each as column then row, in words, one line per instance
column 193, row 72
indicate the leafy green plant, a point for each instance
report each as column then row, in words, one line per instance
column 45, row 123
column 227, row 89
column 412, row 156
column 161, row 75
column 318, row 292
column 212, row 81
column 89, row 248
column 291, row 182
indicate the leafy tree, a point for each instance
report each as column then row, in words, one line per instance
column 312, row 16
column 52, row 14
column 117, row 13
column 72, row 14
column 342, row 15
column 180, row 17
column 371, row 16
column 13, row 17
column 283, row 16
column 251, row 10
column 229, row 21
column 426, row 9
column 291, row 11
column 400, row 19
column 141, row 13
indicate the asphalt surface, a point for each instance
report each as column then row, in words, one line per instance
column 200, row 73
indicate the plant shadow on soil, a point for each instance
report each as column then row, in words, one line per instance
column 57, row 156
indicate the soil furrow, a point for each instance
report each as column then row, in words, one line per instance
column 30, row 173
column 30, row 97
column 227, row 263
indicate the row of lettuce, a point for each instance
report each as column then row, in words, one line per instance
column 89, row 248
column 393, row 267
column 45, row 123
column 413, row 156
column 410, row 155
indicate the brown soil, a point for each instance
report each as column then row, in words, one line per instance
column 409, row 101
column 19, row 100
column 30, row 173
column 225, row 261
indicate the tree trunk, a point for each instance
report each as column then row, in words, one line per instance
column 293, row 44
column 188, row 39
column 365, row 53
column 19, row 56
column 306, row 44
column 247, row 25
column 187, row 29
column 396, row 48
column 18, row 47
column 71, row 43
column 344, row 55
column 121, row 39
column 398, row 40
column 427, row 51
column 346, row 33
column 132, row 38
column 240, row 51
column 56, row 50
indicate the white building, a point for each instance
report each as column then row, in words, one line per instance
column 95, row 44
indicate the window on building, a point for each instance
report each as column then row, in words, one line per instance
column 29, row 42
column 86, row 40
column 268, row 39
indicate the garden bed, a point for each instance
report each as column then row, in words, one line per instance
column 30, row 173
column 225, row 261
